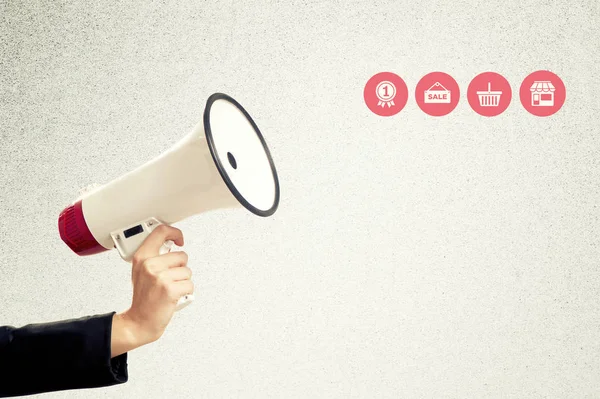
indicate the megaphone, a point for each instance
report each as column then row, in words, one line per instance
column 223, row 162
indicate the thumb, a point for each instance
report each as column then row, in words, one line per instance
column 152, row 245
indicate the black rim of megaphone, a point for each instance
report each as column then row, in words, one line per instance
column 213, row 152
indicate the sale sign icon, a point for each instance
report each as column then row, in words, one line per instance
column 437, row 94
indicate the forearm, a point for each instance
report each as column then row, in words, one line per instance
column 62, row 355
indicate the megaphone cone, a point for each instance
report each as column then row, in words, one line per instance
column 224, row 162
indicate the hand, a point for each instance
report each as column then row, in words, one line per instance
column 158, row 283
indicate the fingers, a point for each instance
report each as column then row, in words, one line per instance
column 151, row 245
column 177, row 274
column 183, row 287
column 158, row 264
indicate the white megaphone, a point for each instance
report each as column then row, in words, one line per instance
column 224, row 162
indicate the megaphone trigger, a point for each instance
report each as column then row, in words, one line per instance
column 184, row 301
column 166, row 247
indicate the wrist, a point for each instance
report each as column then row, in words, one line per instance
column 127, row 334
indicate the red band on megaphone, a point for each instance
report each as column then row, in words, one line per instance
column 75, row 233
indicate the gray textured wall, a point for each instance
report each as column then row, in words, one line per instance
column 411, row 256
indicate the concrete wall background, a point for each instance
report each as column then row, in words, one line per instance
column 411, row 256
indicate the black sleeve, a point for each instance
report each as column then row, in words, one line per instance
column 68, row 354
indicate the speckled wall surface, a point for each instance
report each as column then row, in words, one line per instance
column 411, row 256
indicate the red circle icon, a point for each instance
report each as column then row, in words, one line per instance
column 437, row 94
column 542, row 93
column 489, row 94
column 385, row 94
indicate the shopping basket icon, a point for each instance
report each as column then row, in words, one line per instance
column 489, row 98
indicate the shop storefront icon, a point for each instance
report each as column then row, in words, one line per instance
column 437, row 94
column 542, row 93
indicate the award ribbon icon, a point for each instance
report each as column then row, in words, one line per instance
column 386, row 92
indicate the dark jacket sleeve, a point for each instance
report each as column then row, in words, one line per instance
column 56, row 356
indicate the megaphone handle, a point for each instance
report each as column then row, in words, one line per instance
column 186, row 299
column 128, row 240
